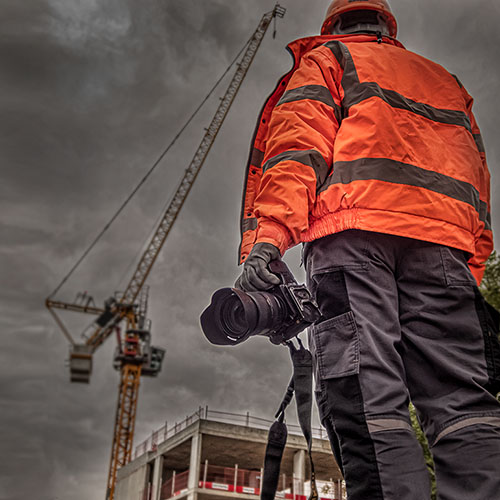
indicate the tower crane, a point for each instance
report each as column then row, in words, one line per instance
column 135, row 356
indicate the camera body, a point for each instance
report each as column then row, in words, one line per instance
column 280, row 313
column 302, row 309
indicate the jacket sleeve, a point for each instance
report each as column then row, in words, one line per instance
column 299, row 151
column 484, row 238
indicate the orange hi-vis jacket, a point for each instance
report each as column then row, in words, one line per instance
column 364, row 134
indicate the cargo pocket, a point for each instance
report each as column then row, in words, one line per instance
column 456, row 269
column 336, row 342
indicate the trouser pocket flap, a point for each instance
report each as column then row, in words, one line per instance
column 337, row 346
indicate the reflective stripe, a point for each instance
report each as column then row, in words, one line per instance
column 365, row 91
column 311, row 158
column 387, row 424
column 384, row 169
column 484, row 215
column 314, row 93
column 487, row 222
column 257, row 157
column 479, row 143
column 356, row 92
column 344, row 58
column 248, row 224
column 494, row 421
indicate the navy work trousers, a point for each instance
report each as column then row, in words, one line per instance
column 401, row 323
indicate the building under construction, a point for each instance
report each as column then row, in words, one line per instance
column 214, row 456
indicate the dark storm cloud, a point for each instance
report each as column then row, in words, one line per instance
column 90, row 94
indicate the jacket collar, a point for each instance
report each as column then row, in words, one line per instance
column 303, row 45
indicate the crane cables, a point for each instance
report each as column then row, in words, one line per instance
column 149, row 172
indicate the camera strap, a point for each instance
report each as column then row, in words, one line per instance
column 301, row 385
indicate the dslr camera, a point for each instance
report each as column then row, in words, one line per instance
column 280, row 313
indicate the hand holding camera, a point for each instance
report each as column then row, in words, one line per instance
column 256, row 275
column 281, row 313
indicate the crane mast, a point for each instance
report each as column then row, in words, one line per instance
column 135, row 356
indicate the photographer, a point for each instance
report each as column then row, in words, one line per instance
column 371, row 156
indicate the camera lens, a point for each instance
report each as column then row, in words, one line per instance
column 233, row 316
column 234, row 319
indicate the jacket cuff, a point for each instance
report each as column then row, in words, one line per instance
column 275, row 234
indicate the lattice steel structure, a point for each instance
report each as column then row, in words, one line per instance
column 126, row 306
column 126, row 409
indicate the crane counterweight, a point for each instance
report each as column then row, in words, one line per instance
column 80, row 363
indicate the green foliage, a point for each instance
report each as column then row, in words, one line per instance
column 490, row 287
column 425, row 447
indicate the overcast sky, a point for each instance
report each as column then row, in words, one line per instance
column 91, row 91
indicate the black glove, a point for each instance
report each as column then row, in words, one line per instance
column 256, row 275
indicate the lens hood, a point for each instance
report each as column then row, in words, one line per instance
column 219, row 322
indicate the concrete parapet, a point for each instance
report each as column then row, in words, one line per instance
column 212, row 460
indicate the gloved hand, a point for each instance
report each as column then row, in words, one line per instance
column 256, row 275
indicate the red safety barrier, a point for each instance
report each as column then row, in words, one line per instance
column 250, row 491
column 242, row 481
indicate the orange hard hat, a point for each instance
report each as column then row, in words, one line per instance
column 339, row 7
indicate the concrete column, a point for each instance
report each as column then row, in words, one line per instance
column 157, row 478
column 299, row 471
column 235, row 476
column 338, row 490
column 194, row 467
column 205, row 472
